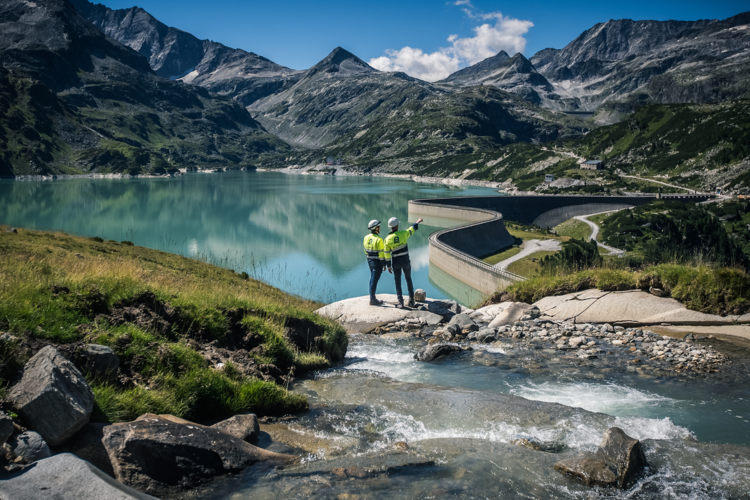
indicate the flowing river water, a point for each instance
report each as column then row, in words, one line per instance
column 457, row 415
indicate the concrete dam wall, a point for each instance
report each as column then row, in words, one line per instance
column 544, row 211
column 458, row 250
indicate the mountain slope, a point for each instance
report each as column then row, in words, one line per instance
column 339, row 93
column 77, row 101
column 444, row 134
column 175, row 54
column 514, row 74
column 666, row 61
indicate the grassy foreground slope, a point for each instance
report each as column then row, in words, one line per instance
column 60, row 289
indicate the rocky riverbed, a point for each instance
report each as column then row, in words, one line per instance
column 435, row 402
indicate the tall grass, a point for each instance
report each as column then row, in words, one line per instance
column 35, row 265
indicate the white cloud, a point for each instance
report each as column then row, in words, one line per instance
column 414, row 62
column 506, row 33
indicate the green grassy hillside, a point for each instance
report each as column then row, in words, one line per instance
column 165, row 316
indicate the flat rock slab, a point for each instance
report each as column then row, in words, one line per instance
column 632, row 307
column 356, row 315
column 65, row 477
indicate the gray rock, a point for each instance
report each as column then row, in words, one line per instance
column 452, row 330
column 420, row 295
column 617, row 462
column 29, row 446
column 52, row 397
column 462, row 321
column 244, row 427
column 431, row 319
column 6, row 339
column 99, row 361
column 483, row 335
column 160, row 456
column 433, row 352
column 11, row 230
column 444, row 308
column 65, row 477
column 6, row 427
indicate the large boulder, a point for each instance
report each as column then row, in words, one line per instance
column 159, row 456
column 617, row 462
column 52, row 397
column 245, row 427
column 29, row 447
column 99, row 361
column 356, row 315
column 514, row 312
column 433, row 352
column 6, row 427
column 65, row 477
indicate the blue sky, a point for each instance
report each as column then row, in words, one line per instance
column 298, row 34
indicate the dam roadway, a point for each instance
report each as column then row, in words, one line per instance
column 458, row 250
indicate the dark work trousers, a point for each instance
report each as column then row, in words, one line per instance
column 406, row 268
column 376, row 269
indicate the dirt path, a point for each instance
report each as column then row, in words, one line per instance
column 529, row 247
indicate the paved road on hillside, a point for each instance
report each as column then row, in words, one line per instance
column 595, row 233
column 662, row 183
column 529, row 247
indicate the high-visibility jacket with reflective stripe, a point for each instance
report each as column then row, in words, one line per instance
column 374, row 247
column 395, row 244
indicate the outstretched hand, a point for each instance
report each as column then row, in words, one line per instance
column 419, row 220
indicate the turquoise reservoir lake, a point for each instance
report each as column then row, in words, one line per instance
column 301, row 233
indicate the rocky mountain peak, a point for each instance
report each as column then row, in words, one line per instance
column 521, row 65
column 481, row 68
column 341, row 61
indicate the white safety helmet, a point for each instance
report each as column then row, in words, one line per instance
column 373, row 224
column 392, row 222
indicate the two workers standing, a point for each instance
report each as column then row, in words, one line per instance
column 392, row 254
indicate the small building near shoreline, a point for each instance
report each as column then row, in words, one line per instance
column 549, row 178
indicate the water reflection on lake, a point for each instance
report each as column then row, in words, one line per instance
column 300, row 233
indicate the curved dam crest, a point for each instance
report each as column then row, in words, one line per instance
column 458, row 250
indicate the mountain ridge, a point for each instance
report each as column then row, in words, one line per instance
column 178, row 55
column 75, row 101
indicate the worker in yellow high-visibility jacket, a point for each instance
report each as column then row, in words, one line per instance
column 375, row 251
column 397, row 257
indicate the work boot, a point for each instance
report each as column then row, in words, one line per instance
column 412, row 304
column 400, row 305
column 376, row 302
